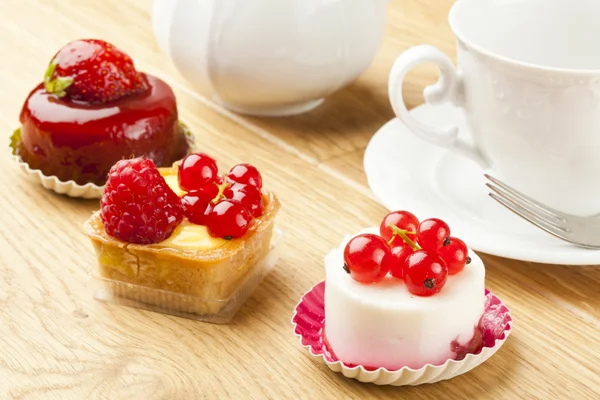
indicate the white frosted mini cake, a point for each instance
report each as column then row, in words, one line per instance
column 388, row 320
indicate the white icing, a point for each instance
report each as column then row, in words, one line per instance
column 384, row 325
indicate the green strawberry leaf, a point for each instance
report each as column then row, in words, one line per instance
column 189, row 137
column 15, row 138
column 58, row 85
column 185, row 129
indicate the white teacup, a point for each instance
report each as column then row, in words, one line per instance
column 528, row 81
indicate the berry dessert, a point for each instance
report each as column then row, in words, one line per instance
column 405, row 294
column 94, row 108
column 182, row 240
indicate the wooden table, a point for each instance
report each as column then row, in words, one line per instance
column 57, row 342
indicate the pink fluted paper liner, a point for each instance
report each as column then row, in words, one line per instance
column 309, row 321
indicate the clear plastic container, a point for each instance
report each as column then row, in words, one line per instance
column 198, row 279
column 217, row 310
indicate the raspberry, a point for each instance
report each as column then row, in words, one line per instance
column 137, row 205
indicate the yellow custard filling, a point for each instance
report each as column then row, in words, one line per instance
column 173, row 184
column 187, row 235
column 193, row 237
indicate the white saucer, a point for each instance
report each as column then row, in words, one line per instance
column 405, row 172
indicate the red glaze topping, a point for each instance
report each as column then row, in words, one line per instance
column 81, row 141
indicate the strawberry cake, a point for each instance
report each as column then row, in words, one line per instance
column 94, row 108
column 406, row 294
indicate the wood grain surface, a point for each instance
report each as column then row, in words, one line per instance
column 57, row 342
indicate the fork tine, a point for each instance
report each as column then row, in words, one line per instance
column 533, row 210
column 520, row 197
column 534, row 219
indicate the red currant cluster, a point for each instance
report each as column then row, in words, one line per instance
column 422, row 253
column 226, row 205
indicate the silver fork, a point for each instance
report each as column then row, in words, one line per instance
column 582, row 231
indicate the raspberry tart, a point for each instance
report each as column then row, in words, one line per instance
column 92, row 109
column 183, row 240
column 406, row 294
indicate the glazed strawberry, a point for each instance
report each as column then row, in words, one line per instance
column 93, row 71
column 137, row 205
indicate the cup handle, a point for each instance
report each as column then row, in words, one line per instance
column 448, row 88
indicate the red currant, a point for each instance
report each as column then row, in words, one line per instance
column 196, row 202
column 425, row 273
column 433, row 233
column 367, row 258
column 228, row 219
column 399, row 254
column 246, row 174
column 196, row 170
column 455, row 255
column 249, row 195
column 402, row 220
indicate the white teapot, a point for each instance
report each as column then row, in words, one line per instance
column 269, row 57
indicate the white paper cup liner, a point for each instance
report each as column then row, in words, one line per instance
column 69, row 188
column 309, row 323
